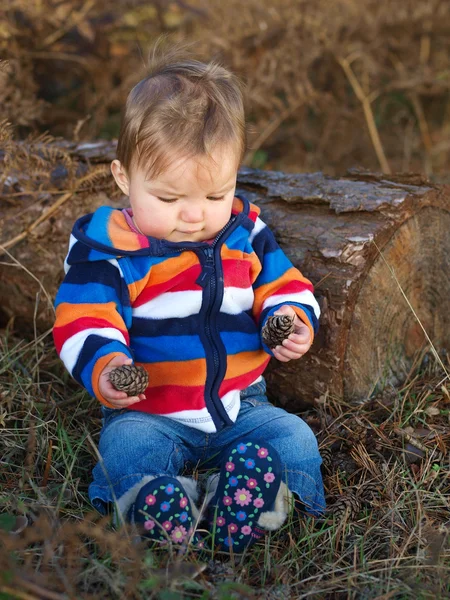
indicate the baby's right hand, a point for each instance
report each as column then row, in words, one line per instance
column 115, row 398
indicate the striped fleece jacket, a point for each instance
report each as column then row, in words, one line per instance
column 190, row 313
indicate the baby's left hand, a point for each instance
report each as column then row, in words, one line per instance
column 298, row 343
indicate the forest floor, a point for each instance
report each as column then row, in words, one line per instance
column 386, row 475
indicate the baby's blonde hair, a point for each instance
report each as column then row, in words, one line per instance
column 183, row 106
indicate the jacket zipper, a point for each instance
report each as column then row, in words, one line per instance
column 209, row 278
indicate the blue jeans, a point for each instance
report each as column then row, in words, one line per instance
column 135, row 444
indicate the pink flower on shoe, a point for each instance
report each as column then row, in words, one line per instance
column 227, row 500
column 178, row 534
column 252, row 483
column 258, row 502
column 263, row 452
column 269, row 477
column 167, row 525
column 183, row 502
column 148, row 525
column 246, row 530
column 232, row 528
column 242, row 497
column 229, row 466
column 220, row 521
column 150, row 499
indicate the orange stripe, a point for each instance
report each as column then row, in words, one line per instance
column 119, row 233
column 171, row 267
column 162, row 272
column 189, row 373
column 96, row 372
column 242, row 363
column 255, row 270
column 66, row 313
column 267, row 289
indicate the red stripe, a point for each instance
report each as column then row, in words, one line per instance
column 293, row 287
column 243, row 381
column 182, row 282
column 168, row 399
column 63, row 333
column 237, row 273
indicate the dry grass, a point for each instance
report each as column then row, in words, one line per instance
column 395, row 544
column 330, row 84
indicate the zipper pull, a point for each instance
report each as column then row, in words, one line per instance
column 207, row 268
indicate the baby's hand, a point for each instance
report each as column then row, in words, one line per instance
column 115, row 398
column 298, row 343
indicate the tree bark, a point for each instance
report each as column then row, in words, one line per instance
column 376, row 248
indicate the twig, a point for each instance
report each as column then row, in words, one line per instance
column 12, row 593
column 370, row 120
column 56, row 35
column 41, row 219
column 40, row 591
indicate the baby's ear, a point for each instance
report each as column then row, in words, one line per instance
column 120, row 176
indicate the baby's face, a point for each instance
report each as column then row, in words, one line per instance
column 190, row 202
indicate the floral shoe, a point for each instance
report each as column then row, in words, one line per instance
column 164, row 510
column 247, row 486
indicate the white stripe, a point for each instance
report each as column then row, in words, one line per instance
column 259, row 225
column 201, row 419
column 170, row 305
column 72, row 240
column 235, row 300
column 115, row 263
column 72, row 347
column 305, row 297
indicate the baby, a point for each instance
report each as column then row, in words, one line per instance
column 181, row 283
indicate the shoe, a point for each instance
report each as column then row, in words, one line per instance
column 247, row 487
column 163, row 510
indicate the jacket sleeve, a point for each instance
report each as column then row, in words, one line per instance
column 93, row 314
column 279, row 283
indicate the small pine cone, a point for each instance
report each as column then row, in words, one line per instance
column 368, row 492
column 327, row 455
column 348, row 505
column 277, row 329
column 130, row 379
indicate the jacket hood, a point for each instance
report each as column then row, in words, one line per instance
column 105, row 234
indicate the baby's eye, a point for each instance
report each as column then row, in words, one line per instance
column 219, row 198
column 169, row 200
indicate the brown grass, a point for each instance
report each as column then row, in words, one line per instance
column 330, row 85
column 394, row 544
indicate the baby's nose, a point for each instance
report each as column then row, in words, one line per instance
column 192, row 212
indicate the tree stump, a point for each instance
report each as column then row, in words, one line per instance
column 376, row 248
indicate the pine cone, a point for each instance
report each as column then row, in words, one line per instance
column 130, row 379
column 368, row 492
column 277, row 329
column 348, row 504
column 327, row 456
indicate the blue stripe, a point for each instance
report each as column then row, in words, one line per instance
column 237, row 238
column 153, row 328
column 189, row 347
column 275, row 265
column 236, row 342
column 168, row 348
column 92, row 293
column 264, row 242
